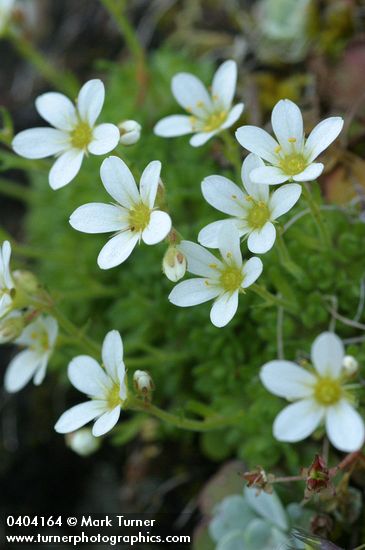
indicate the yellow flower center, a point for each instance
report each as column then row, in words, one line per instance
column 139, row 217
column 81, row 135
column 293, row 164
column 231, row 278
column 327, row 391
column 40, row 341
column 258, row 215
column 214, row 121
column 114, row 398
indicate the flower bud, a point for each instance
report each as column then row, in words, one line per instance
column 11, row 328
column 143, row 382
column 174, row 264
column 318, row 477
column 350, row 365
column 82, row 442
column 130, row 132
column 26, row 281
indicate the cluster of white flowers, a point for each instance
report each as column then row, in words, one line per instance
column 37, row 334
column 321, row 393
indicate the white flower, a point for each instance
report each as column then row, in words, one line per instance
column 106, row 388
column 321, row 396
column 174, row 264
column 82, row 442
column 6, row 281
column 220, row 280
column 133, row 218
column 253, row 212
column 291, row 156
column 39, row 339
column 208, row 114
column 6, row 8
column 130, row 132
column 74, row 134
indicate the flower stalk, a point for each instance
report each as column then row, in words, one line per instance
column 317, row 215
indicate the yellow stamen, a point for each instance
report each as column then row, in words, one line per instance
column 328, row 391
column 139, row 217
column 81, row 135
column 231, row 278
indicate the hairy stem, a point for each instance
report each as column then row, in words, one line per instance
column 213, row 423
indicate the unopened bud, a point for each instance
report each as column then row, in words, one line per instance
column 11, row 328
column 174, row 264
column 143, row 382
column 350, row 365
column 26, row 281
column 82, row 442
column 130, row 132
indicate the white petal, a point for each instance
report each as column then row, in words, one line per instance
column 158, row 228
column 322, row 136
column 297, row 421
column 193, row 292
column 310, row 173
column 174, row 125
column 90, row 100
column 117, row 249
column 66, row 168
column 224, row 309
column 286, row 379
column 271, row 175
column 327, row 354
column 5, row 275
column 97, row 217
column 202, row 137
column 258, row 191
column 39, row 143
column 119, row 181
column 262, row 240
column 106, row 422
column 208, row 236
column 40, row 373
column 20, row 370
column 191, row 94
column 287, row 123
column 105, row 139
column 345, row 427
column 57, row 109
column 51, row 327
column 149, row 182
column 258, row 141
column 224, row 195
column 252, row 271
column 112, row 354
column 229, row 244
column 283, row 199
column 200, row 260
column 88, row 377
column 224, row 84
column 78, row 416
column 233, row 115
